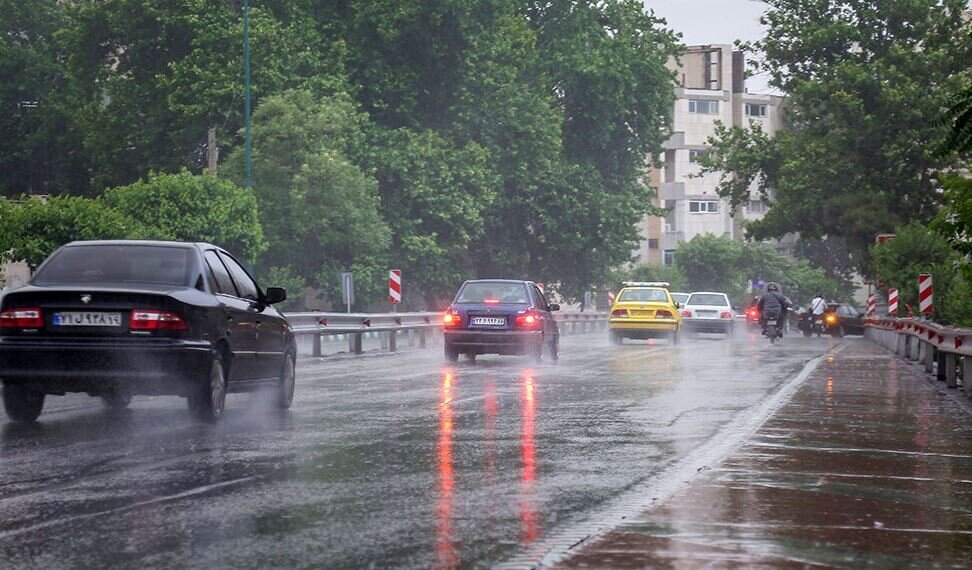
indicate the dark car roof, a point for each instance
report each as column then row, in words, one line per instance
column 498, row 281
column 157, row 243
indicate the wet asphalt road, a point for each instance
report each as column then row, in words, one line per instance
column 384, row 460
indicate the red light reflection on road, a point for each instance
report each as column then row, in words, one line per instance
column 445, row 548
column 529, row 525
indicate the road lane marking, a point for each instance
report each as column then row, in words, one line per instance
column 635, row 501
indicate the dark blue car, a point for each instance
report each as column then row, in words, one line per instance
column 501, row 316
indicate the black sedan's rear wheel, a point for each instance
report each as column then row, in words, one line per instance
column 451, row 354
column 536, row 352
column 288, row 380
column 116, row 399
column 555, row 349
column 21, row 403
column 208, row 399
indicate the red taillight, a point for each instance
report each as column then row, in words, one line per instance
column 752, row 314
column 663, row 315
column 451, row 320
column 30, row 318
column 528, row 320
column 725, row 315
column 687, row 314
column 619, row 314
column 152, row 320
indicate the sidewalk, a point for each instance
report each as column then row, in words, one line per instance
column 870, row 464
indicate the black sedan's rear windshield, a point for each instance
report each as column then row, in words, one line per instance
column 493, row 292
column 118, row 264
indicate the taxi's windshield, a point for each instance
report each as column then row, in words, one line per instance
column 493, row 292
column 644, row 295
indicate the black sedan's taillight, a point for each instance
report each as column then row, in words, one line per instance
column 154, row 320
column 22, row 318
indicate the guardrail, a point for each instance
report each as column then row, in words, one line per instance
column 427, row 326
column 944, row 351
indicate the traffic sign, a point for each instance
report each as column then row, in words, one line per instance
column 347, row 289
column 395, row 285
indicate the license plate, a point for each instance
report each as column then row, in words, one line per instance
column 771, row 321
column 489, row 321
column 708, row 314
column 87, row 319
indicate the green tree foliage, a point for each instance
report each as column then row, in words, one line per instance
column 39, row 147
column 865, row 82
column 959, row 118
column 149, row 77
column 954, row 222
column 917, row 249
column 31, row 228
column 712, row 263
column 434, row 197
column 318, row 210
column 188, row 207
column 649, row 272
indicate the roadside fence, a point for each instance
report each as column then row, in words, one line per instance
column 421, row 329
column 944, row 351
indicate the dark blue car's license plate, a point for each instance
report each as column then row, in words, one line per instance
column 488, row 321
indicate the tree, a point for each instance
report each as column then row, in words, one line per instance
column 954, row 222
column 865, row 83
column 188, row 207
column 318, row 210
column 32, row 228
column 148, row 78
column 712, row 263
column 38, row 150
column 434, row 197
column 917, row 249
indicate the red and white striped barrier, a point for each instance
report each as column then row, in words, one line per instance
column 925, row 304
column 395, row 285
column 611, row 297
column 892, row 301
column 871, row 304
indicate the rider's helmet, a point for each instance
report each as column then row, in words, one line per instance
column 773, row 287
column 819, row 295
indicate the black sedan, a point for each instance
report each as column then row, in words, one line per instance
column 118, row 318
column 494, row 316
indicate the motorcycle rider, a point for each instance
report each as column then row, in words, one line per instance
column 817, row 305
column 772, row 305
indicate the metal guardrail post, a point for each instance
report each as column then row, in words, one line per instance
column 929, row 357
column 950, row 369
column 422, row 338
column 393, row 341
column 355, row 342
column 316, row 349
column 966, row 379
column 940, row 361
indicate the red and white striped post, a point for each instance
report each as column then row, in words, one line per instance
column 871, row 302
column 925, row 304
column 395, row 286
column 611, row 297
column 893, row 302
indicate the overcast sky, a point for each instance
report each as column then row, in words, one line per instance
column 714, row 22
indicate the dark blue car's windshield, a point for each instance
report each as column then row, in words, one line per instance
column 493, row 292
column 117, row 264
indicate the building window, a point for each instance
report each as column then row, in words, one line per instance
column 756, row 207
column 703, row 107
column 652, row 243
column 668, row 257
column 755, row 110
column 695, row 154
column 703, row 206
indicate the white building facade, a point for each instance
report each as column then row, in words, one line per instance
column 711, row 90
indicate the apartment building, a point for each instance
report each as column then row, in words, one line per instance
column 712, row 89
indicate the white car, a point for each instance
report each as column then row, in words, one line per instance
column 707, row 311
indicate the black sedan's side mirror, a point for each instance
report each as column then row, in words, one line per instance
column 554, row 307
column 275, row 295
column 678, row 305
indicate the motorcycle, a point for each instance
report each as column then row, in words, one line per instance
column 773, row 329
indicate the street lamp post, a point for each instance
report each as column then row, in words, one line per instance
column 248, row 180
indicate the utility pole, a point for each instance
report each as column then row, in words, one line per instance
column 212, row 152
column 248, row 180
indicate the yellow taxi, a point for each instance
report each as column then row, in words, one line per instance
column 644, row 310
